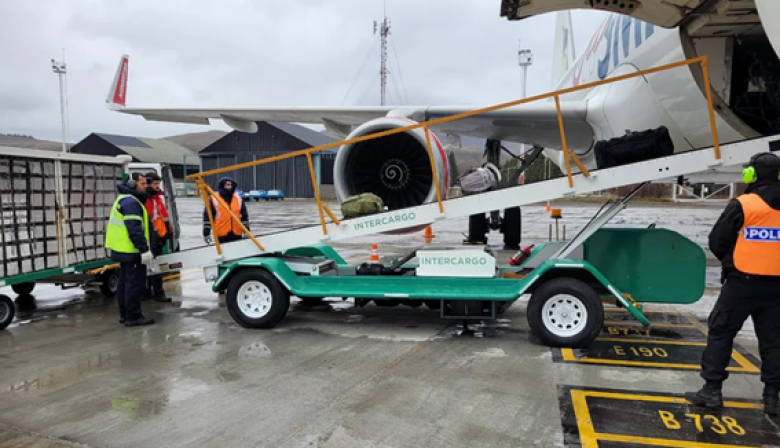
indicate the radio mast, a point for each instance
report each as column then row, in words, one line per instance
column 384, row 31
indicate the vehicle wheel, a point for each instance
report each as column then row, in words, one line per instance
column 311, row 301
column 7, row 311
column 565, row 312
column 255, row 299
column 109, row 283
column 511, row 227
column 23, row 289
column 478, row 228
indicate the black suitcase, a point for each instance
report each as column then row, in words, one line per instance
column 634, row 147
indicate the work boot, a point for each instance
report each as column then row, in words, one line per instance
column 771, row 394
column 161, row 297
column 709, row 396
column 139, row 322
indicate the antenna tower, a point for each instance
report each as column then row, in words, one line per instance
column 384, row 31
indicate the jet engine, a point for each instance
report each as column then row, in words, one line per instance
column 395, row 167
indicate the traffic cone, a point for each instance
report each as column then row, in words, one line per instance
column 374, row 254
column 549, row 210
column 428, row 235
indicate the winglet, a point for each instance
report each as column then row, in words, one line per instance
column 117, row 95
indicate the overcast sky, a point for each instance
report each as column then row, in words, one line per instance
column 267, row 53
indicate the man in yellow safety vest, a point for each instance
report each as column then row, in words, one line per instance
column 128, row 239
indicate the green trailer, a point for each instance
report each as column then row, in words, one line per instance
column 627, row 267
column 54, row 208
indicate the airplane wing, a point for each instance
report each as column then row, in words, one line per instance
column 531, row 123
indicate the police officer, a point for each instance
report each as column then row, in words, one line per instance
column 128, row 238
column 225, row 228
column 746, row 239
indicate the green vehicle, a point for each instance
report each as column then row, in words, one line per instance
column 568, row 282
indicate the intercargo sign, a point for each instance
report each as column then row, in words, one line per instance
column 455, row 263
column 383, row 221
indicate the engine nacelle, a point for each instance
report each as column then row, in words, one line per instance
column 396, row 167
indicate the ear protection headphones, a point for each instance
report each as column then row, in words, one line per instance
column 749, row 174
column 130, row 182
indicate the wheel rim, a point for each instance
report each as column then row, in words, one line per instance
column 113, row 283
column 5, row 311
column 564, row 315
column 254, row 299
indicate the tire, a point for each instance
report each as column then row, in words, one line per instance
column 478, row 229
column 109, row 283
column 577, row 297
column 23, row 289
column 7, row 311
column 511, row 227
column 265, row 310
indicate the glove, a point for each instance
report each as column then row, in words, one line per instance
column 146, row 258
column 207, row 239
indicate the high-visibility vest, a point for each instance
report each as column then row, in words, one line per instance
column 159, row 219
column 223, row 223
column 117, row 236
column 758, row 247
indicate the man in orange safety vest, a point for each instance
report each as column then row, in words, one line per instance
column 161, row 225
column 746, row 239
column 225, row 228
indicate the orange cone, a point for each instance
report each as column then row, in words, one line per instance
column 549, row 210
column 428, row 235
column 374, row 254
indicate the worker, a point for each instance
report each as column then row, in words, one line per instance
column 128, row 239
column 225, row 228
column 155, row 206
column 746, row 239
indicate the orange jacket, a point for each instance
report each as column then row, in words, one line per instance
column 158, row 214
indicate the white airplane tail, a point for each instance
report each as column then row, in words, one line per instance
column 563, row 51
column 117, row 95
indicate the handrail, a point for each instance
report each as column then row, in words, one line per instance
column 425, row 125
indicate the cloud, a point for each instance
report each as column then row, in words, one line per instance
column 243, row 53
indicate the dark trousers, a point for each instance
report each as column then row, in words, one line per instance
column 132, row 283
column 156, row 285
column 741, row 297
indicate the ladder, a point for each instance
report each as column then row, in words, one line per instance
column 640, row 172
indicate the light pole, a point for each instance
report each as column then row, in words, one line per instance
column 60, row 69
column 525, row 59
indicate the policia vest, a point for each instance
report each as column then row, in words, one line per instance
column 117, row 236
column 758, row 247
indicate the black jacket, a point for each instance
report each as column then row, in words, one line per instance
column 135, row 227
column 724, row 235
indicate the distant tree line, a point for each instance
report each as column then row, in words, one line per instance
column 28, row 137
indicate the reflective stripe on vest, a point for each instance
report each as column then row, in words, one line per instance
column 223, row 223
column 117, row 236
column 758, row 247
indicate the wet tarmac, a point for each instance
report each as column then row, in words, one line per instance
column 336, row 377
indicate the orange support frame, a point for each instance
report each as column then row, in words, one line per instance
column 568, row 154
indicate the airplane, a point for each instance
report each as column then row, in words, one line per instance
column 737, row 37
